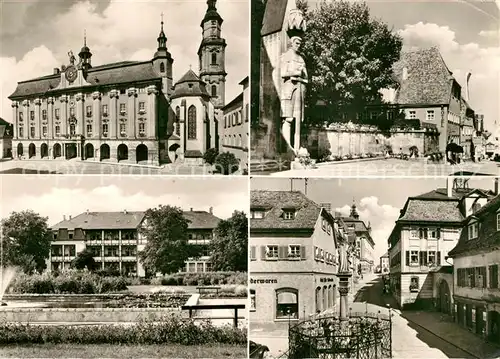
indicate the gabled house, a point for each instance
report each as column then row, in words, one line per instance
column 293, row 258
column 428, row 228
column 476, row 260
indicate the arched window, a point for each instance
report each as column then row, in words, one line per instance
column 214, row 91
column 177, row 121
column 287, row 303
column 192, row 123
column 214, row 58
column 162, row 67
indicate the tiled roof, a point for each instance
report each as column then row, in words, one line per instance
column 274, row 202
column 131, row 220
column 431, row 210
column 117, row 73
column 201, row 220
column 274, row 16
column 458, row 194
column 103, row 220
column 190, row 85
column 489, row 236
column 429, row 80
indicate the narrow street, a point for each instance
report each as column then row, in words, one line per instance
column 409, row 340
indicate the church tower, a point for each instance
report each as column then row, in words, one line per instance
column 354, row 213
column 85, row 56
column 211, row 55
column 162, row 61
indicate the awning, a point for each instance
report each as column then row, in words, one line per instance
column 287, row 298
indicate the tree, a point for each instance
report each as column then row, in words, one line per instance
column 167, row 248
column 229, row 248
column 210, row 155
column 26, row 241
column 85, row 259
column 227, row 163
column 349, row 58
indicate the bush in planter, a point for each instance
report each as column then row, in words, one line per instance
column 227, row 163
column 210, row 155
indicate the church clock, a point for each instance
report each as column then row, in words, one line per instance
column 71, row 73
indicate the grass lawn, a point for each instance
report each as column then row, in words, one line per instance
column 122, row 351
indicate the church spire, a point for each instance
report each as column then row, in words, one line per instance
column 354, row 213
column 162, row 39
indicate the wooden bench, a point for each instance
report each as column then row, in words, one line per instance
column 208, row 289
column 234, row 307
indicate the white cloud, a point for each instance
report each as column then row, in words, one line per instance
column 58, row 202
column 381, row 217
column 127, row 30
column 483, row 62
column 489, row 33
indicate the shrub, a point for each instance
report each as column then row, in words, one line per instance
column 324, row 154
column 210, row 155
column 170, row 330
column 227, row 163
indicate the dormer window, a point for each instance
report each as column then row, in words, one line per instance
column 257, row 214
column 289, row 214
column 473, row 230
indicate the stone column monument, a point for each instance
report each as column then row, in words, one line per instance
column 344, row 275
column 293, row 73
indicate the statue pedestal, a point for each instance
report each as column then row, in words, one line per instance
column 344, row 279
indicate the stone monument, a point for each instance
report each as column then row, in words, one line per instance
column 344, row 276
column 294, row 76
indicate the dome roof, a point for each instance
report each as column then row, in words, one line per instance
column 190, row 85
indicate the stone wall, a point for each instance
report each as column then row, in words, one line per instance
column 360, row 140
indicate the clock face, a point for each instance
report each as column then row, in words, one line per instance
column 71, row 73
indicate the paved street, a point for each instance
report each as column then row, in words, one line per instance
column 390, row 167
column 414, row 334
column 76, row 167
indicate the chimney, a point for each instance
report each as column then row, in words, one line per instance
column 64, row 217
column 449, row 187
column 405, row 73
column 191, row 209
column 56, row 71
column 87, row 212
column 125, row 211
column 211, row 210
column 70, row 217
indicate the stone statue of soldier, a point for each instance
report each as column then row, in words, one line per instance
column 294, row 76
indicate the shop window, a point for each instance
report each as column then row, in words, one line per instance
column 414, row 285
column 287, row 303
column 253, row 303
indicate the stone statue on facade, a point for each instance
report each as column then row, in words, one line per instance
column 294, row 76
column 72, row 58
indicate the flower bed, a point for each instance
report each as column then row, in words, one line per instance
column 171, row 330
column 198, row 279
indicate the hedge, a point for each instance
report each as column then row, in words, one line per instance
column 171, row 330
column 206, row 278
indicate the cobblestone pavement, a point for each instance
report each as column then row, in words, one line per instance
column 390, row 168
column 76, row 167
column 432, row 337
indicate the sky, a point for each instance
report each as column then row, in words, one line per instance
column 57, row 196
column 467, row 34
column 36, row 35
column 378, row 200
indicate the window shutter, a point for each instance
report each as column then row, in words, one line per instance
column 252, row 253
column 421, row 233
column 263, row 253
column 421, row 258
column 426, row 233
column 281, row 252
column 303, row 252
column 407, row 258
column 438, row 259
column 438, row 233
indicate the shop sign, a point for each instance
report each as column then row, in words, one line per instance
column 263, row 281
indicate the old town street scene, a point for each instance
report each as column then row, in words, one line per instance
column 378, row 88
column 374, row 268
column 84, row 92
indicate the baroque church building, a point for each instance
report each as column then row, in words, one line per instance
column 129, row 111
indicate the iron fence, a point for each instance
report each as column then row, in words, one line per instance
column 362, row 335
